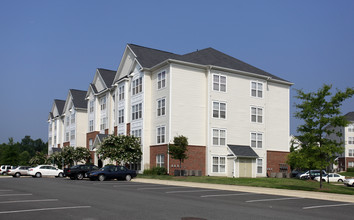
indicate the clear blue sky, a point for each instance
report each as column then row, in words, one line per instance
column 49, row 47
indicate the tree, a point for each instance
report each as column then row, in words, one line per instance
column 68, row 155
column 122, row 149
column 81, row 153
column 39, row 158
column 178, row 150
column 24, row 158
column 321, row 114
column 56, row 159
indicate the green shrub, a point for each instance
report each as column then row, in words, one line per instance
column 350, row 169
column 155, row 171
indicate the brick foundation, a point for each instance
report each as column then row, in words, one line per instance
column 276, row 162
column 196, row 158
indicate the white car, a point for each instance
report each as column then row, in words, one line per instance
column 19, row 171
column 332, row 177
column 349, row 182
column 45, row 170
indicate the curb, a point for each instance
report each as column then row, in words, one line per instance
column 259, row 190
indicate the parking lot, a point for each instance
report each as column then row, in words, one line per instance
column 61, row 198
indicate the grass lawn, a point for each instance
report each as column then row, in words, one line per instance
column 347, row 174
column 278, row 183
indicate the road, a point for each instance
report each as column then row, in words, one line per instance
column 61, row 198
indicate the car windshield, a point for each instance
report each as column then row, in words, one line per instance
column 74, row 167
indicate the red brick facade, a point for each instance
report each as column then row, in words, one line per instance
column 91, row 135
column 66, row 144
column 115, row 130
column 343, row 163
column 196, row 158
column 276, row 162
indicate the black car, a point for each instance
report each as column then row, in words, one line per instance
column 112, row 172
column 80, row 171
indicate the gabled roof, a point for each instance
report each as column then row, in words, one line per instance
column 78, row 97
column 243, row 151
column 148, row 58
column 107, row 76
column 60, row 105
column 349, row 116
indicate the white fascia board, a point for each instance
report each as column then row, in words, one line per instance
column 66, row 102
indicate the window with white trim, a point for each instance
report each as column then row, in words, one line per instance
column 103, row 123
column 121, row 93
column 350, row 164
column 137, row 133
column 350, row 140
column 257, row 114
column 137, row 86
column 161, row 80
column 121, row 116
column 67, row 136
column 137, row 111
column 72, row 135
column 55, row 125
column 257, row 89
column 92, row 105
column 55, row 139
column 160, row 135
column 67, row 119
column 50, row 127
column 90, row 143
column 219, row 137
column 103, row 103
column 256, row 140
column 351, row 152
column 161, row 107
column 219, row 164
column 91, row 125
column 160, row 160
column 219, row 83
column 219, row 110
column 259, row 165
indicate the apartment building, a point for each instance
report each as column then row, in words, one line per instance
column 55, row 126
column 346, row 159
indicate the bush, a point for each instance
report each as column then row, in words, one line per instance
column 350, row 169
column 155, row 171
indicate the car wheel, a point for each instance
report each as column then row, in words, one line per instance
column 128, row 177
column 323, row 180
column 340, row 180
column 79, row 176
column 101, row 177
column 17, row 174
column 38, row 175
column 61, row 175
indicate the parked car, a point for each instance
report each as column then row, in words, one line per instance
column 295, row 173
column 19, row 171
column 349, row 182
column 311, row 174
column 80, row 171
column 332, row 177
column 112, row 172
column 45, row 170
column 5, row 168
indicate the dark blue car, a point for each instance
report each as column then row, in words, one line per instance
column 112, row 172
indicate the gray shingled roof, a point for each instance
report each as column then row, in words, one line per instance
column 349, row 116
column 93, row 87
column 243, row 151
column 107, row 76
column 101, row 136
column 78, row 97
column 60, row 105
column 149, row 57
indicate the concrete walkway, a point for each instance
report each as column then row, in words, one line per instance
column 260, row 190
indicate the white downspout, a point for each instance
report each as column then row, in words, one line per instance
column 169, row 119
column 208, row 121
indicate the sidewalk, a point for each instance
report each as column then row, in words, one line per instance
column 260, row 190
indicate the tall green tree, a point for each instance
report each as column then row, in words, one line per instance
column 178, row 150
column 122, row 149
column 68, row 155
column 39, row 158
column 81, row 154
column 321, row 114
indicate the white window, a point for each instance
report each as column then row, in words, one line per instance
column 55, row 125
column 72, row 135
column 350, row 164
column 55, row 139
column 161, row 80
column 219, row 83
column 137, row 111
column 67, row 136
column 257, row 114
column 121, row 93
column 219, row 110
column 257, row 89
column 259, row 165
column 103, row 124
column 90, row 143
column 161, row 109
column 67, row 121
column 160, row 160
column 219, row 164
column 50, row 127
column 121, row 116
column 219, row 137
column 161, row 133
column 103, row 102
column 350, row 140
column 92, row 105
column 91, row 125
column 351, row 152
column 137, row 133
column 50, row 140
column 137, row 86
column 256, row 140
column 73, row 118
